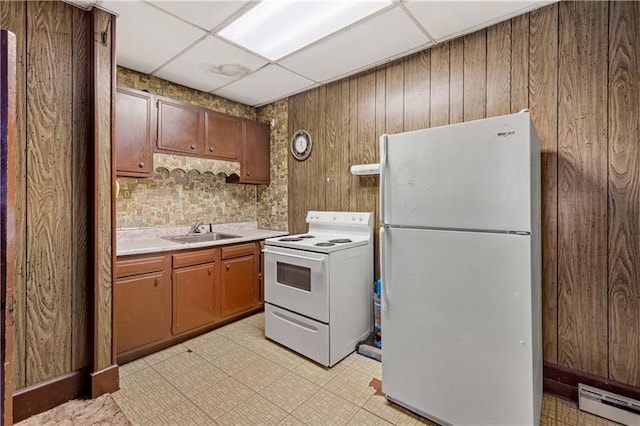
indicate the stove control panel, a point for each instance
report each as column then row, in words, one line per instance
column 339, row 217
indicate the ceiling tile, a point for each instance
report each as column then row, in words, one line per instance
column 147, row 37
column 448, row 19
column 191, row 69
column 270, row 83
column 373, row 41
column 205, row 14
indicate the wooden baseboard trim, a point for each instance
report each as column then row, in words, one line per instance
column 44, row 396
column 563, row 382
column 105, row 381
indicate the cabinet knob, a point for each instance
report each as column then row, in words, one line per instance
column 210, row 270
column 210, row 149
column 193, row 147
column 156, row 281
column 248, row 174
column 228, row 266
column 141, row 165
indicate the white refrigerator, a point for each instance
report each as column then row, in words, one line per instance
column 461, row 271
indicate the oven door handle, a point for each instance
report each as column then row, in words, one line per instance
column 294, row 256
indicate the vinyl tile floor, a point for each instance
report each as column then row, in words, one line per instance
column 235, row 376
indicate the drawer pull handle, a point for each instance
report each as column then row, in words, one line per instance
column 156, row 281
column 210, row 270
column 295, row 322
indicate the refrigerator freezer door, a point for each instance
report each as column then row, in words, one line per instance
column 457, row 332
column 473, row 176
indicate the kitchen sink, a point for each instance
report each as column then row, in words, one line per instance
column 200, row 238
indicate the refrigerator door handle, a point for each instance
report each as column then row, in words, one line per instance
column 383, row 167
column 384, row 269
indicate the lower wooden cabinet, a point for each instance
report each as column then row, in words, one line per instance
column 163, row 298
column 142, row 310
column 195, row 296
column 239, row 285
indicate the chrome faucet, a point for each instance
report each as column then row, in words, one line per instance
column 195, row 229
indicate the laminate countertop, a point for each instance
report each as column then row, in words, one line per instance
column 131, row 241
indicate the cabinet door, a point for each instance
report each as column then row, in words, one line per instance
column 195, row 296
column 223, row 136
column 142, row 310
column 256, row 154
column 239, row 285
column 134, row 133
column 180, row 127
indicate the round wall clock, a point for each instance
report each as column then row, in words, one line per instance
column 301, row 145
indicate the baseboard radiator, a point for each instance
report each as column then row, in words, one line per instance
column 609, row 405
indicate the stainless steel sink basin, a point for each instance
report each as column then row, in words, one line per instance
column 200, row 238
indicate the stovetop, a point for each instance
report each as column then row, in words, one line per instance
column 329, row 232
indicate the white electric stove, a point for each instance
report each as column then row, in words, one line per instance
column 319, row 286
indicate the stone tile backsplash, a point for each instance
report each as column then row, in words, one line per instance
column 273, row 199
column 180, row 197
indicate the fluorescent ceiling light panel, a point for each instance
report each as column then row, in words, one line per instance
column 275, row 28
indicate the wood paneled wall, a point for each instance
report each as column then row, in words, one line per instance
column 576, row 65
column 53, row 210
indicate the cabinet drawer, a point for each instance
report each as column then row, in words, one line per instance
column 239, row 250
column 136, row 266
column 195, row 258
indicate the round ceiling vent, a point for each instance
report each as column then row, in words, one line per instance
column 228, row 70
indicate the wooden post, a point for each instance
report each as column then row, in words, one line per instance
column 7, row 218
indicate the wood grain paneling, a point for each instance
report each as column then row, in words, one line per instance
column 456, row 81
column 13, row 18
column 394, row 113
column 49, row 191
column 624, row 192
column 499, row 73
column 582, row 186
column 417, row 91
column 569, row 63
column 439, row 86
column 102, row 342
column 475, row 75
column 80, row 186
column 351, row 203
column 334, row 146
column 364, row 149
column 297, row 185
column 543, row 81
column 520, row 63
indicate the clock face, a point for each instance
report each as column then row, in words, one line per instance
column 301, row 145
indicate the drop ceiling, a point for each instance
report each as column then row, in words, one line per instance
column 179, row 41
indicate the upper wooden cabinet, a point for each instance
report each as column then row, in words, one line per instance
column 223, row 136
column 186, row 129
column 180, row 127
column 135, row 119
column 256, row 154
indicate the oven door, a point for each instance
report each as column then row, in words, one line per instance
column 297, row 280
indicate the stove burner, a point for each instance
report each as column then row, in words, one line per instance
column 324, row 244
column 290, row 239
column 341, row 240
column 306, row 236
